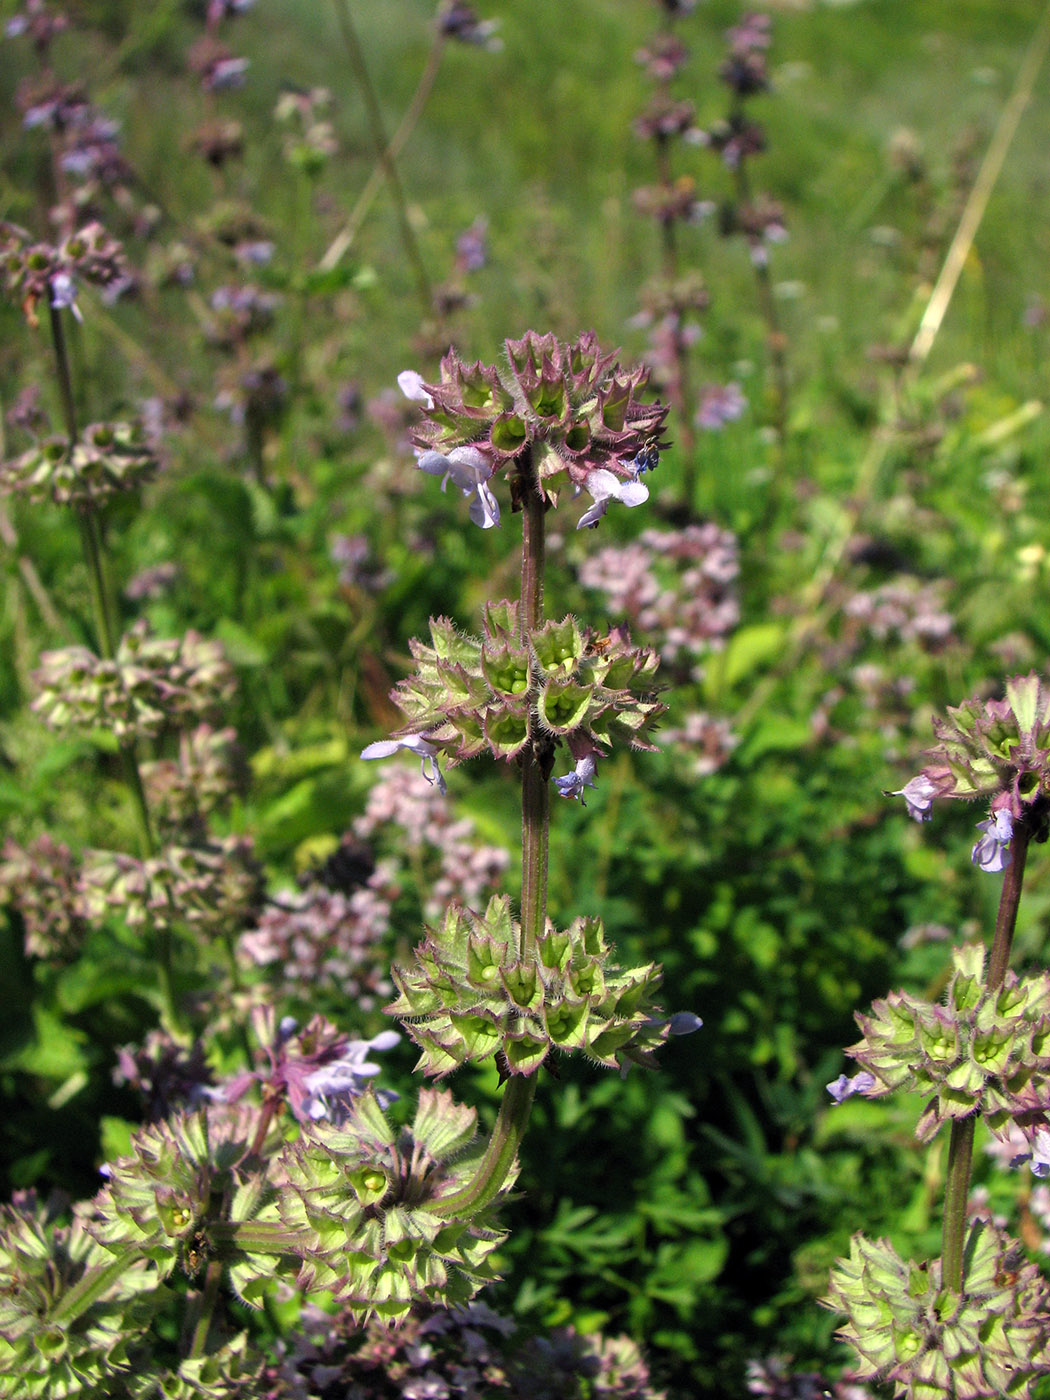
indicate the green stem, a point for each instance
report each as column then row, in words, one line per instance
column 383, row 152
column 343, row 240
column 514, row 1110
column 956, row 1192
column 252, row 1237
column 535, row 781
column 203, row 1309
column 511, row 1122
column 87, row 1290
column 1009, row 899
column 960, row 1147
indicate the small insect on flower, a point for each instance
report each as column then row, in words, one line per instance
column 648, row 458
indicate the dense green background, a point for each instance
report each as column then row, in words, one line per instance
column 698, row 1208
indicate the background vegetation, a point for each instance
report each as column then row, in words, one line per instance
column 698, row 1208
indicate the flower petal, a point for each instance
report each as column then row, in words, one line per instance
column 411, row 385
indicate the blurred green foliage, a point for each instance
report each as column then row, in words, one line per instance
column 698, row 1208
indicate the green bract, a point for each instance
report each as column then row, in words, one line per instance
column 575, row 407
column 365, row 1202
column 471, row 994
column 933, row 1344
column 70, row 1312
column 163, row 1200
column 990, row 746
column 107, row 459
column 982, row 1051
column 469, row 694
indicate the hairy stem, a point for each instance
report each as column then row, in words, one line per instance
column 202, row 1309
column 535, row 786
column 514, row 1110
column 960, row 1147
column 1009, row 899
column 956, row 1191
column 511, row 1122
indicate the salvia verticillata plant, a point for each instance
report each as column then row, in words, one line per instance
column 554, row 418
column 296, row 1171
column 737, row 139
column 975, row 1322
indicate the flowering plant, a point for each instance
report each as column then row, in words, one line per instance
column 975, row 1322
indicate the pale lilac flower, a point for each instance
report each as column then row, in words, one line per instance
column 428, row 764
column 582, row 776
column 328, row 1088
column 411, row 385
column 469, row 469
column 1038, row 1158
column 604, row 487
column 844, row 1088
column 226, row 73
column 918, row 794
column 64, row 294
column 991, row 853
column 684, row 1023
column 720, row 404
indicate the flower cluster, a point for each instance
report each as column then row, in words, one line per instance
column 472, row 994
column 159, row 1199
column 423, row 819
column 38, row 22
column 41, row 1261
column 317, row 1070
column 42, row 881
column 468, row 694
column 573, row 407
column 470, row 1351
column 214, row 887
column 458, row 20
column 994, row 749
column 149, row 684
column 371, row 1210
column 990, row 1340
column 902, row 610
column 107, row 458
column 42, row 272
column 708, row 739
column 983, row 1051
column 310, row 141
column 686, row 609
column 317, row 937
column 184, row 792
column 165, row 1074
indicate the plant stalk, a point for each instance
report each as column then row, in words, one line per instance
column 535, row 784
column 343, row 240
column 383, row 152
column 509, row 1129
column 202, row 1309
column 514, row 1110
column 960, row 1147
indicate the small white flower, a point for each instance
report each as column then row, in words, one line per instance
column 64, row 294
column 918, row 794
column 605, row 487
column 469, row 469
column 428, row 764
column 411, row 385
column 582, row 776
column 992, row 852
